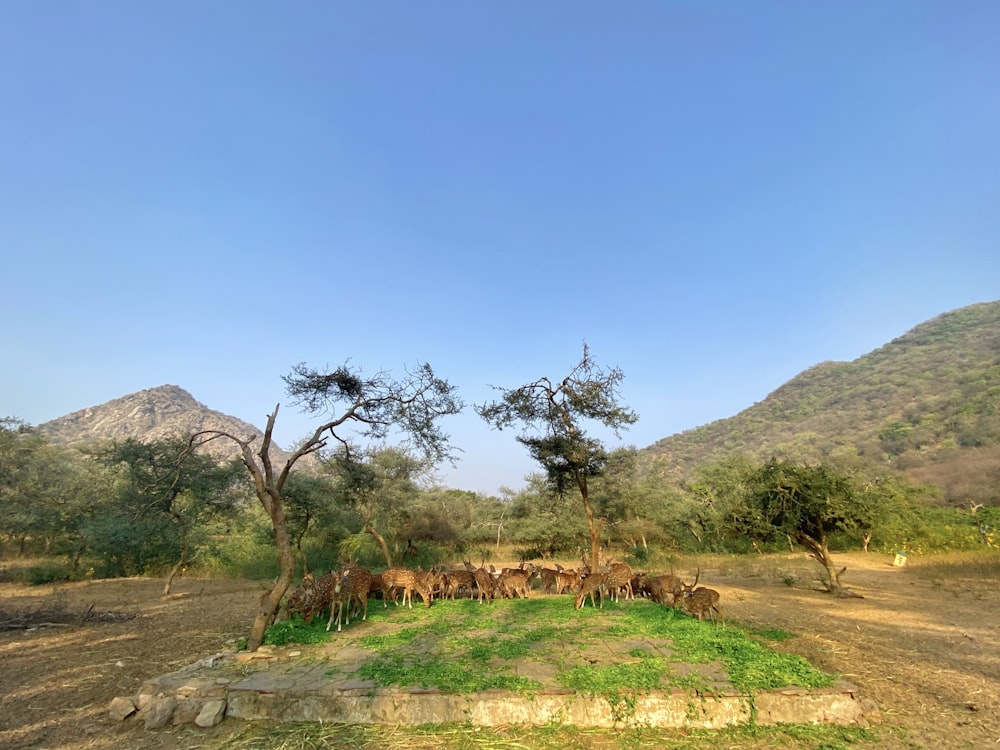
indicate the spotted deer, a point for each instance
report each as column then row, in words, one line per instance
column 619, row 578
column 322, row 596
column 484, row 582
column 352, row 587
column 548, row 578
column 589, row 586
column 567, row 580
column 299, row 599
column 661, row 587
column 406, row 580
column 701, row 601
column 456, row 580
column 516, row 584
column 698, row 601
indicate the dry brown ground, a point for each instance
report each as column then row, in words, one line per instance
column 922, row 644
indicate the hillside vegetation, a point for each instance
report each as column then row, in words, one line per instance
column 926, row 404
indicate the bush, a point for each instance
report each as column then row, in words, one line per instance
column 53, row 572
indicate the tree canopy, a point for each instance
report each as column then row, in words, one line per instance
column 553, row 415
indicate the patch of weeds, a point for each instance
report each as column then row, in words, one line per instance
column 442, row 674
column 750, row 665
column 296, row 631
column 622, row 707
column 642, row 674
column 389, row 641
column 692, row 681
column 48, row 573
column 771, row 634
column 510, row 649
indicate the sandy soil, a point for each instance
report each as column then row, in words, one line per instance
column 923, row 644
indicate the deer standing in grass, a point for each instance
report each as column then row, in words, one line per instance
column 352, row 586
column 322, row 596
column 458, row 579
column 407, row 580
column 516, row 584
column 698, row 601
column 299, row 599
column 567, row 580
column 619, row 577
column 591, row 585
column 484, row 582
column 661, row 587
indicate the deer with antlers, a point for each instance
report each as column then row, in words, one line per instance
column 699, row 600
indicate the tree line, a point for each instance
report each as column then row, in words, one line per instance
column 135, row 508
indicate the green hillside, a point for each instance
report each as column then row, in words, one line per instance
column 926, row 404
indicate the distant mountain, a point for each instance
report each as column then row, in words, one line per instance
column 149, row 415
column 927, row 404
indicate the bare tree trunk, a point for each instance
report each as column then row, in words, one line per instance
column 77, row 556
column 182, row 561
column 381, row 543
column 270, row 601
column 819, row 550
column 594, row 525
column 500, row 528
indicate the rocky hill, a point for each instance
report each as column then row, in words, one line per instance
column 927, row 404
column 152, row 414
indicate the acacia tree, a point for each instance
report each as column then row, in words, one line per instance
column 45, row 491
column 552, row 414
column 377, row 484
column 372, row 407
column 803, row 503
column 162, row 480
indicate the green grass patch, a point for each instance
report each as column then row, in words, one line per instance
column 771, row 634
column 463, row 646
column 296, row 631
column 644, row 674
column 428, row 671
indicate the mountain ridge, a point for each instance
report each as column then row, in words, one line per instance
column 926, row 404
column 151, row 414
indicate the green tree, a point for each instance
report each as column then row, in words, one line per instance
column 45, row 490
column 553, row 415
column 881, row 506
column 539, row 519
column 380, row 486
column 310, row 512
column 721, row 507
column 163, row 481
column 372, row 407
column 803, row 503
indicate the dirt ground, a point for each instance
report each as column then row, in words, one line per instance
column 923, row 645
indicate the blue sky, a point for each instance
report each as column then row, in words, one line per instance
column 714, row 196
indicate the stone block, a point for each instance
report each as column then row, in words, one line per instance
column 213, row 712
column 122, row 708
column 160, row 712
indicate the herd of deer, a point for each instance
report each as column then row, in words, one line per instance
column 345, row 593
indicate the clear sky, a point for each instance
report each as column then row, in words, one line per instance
column 714, row 196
